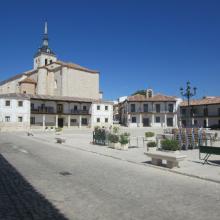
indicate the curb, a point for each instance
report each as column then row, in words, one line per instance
column 130, row 161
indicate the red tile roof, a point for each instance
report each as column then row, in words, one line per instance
column 204, row 101
column 155, row 98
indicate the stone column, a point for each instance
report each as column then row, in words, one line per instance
column 140, row 120
column 165, row 120
column 80, row 121
column 207, row 122
column 44, row 118
column 68, row 121
column 152, row 120
column 56, row 125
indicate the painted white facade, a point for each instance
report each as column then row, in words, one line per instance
column 14, row 114
column 102, row 114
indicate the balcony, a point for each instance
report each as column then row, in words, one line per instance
column 51, row 110
column 79, row 112
column 45, row 110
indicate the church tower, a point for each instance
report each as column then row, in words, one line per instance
column 44, row 55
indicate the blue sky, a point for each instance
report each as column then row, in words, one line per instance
column 135, row 44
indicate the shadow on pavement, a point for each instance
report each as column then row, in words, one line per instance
column 19, row 200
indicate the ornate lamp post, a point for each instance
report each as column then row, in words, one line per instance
column 188, row 94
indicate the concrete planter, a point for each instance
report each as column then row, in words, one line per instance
column 124, row 147
column 115, row 145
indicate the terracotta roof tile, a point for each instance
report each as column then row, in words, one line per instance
column 155, row 98
column 204, row 101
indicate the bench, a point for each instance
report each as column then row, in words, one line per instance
column 208, row 150
column 29, row 134
column 172, row 159
column 60, row 140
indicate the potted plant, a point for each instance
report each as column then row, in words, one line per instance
column 58, row 130
column 149, row 135
column 169, row 145
column 151, row 144
column 124, row 140
column 114, row 141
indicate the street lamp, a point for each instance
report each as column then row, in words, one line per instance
column 188, row 94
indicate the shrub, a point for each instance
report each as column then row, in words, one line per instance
column 172, row 145
column 149, row 134
column 127, row 134
column 58, row 129
column 124, row 139
column 115, row 130
column 152, row 144
column 113, row 138
column 99, row 134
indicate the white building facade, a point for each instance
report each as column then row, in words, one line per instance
column 102, row 113
column 14, row 112
column 149, row 111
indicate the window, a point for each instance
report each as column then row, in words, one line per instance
column 32, row 106
column 195, row 122
column 106, row 120
column 145, row 107
column 206, row 111
column 183, row 111
column 170, row 108
column 32, row 120
column 20, row 103
column 51, row 61
column 106, row 108
column 157, row 107
column 98, row 120
column 219, row 112
column 74, row 121
column 170, row 122
column 157, row 119
column 45, row 62
column 20, row 119
column 7, row 103
column 98, row 107
column 133, row 120
column 7, row 118
column 75, row 107
column 84, row 121
column 84, row 108
column 132, row 107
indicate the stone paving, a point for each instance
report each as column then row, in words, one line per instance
column 19, row 200
column 81, row 139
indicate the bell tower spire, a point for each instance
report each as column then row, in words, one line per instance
column 45, row 37
column 44, row 55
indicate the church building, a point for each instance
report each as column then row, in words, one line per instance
column 61, row 94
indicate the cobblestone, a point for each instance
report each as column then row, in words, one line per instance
column 19, row 200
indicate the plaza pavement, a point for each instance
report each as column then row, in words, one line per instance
column 81, row 140
column 43, row 180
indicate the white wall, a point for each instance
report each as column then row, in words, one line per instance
column 102, row 114
column 14, row 111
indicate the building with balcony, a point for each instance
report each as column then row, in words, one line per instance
column 201, row 113
column 149, row 110
column 23, row 111
column 55, row 94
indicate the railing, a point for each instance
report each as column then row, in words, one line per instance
column 79, row 112
column 140, row 111
column 51, row 110
column 46, row 110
